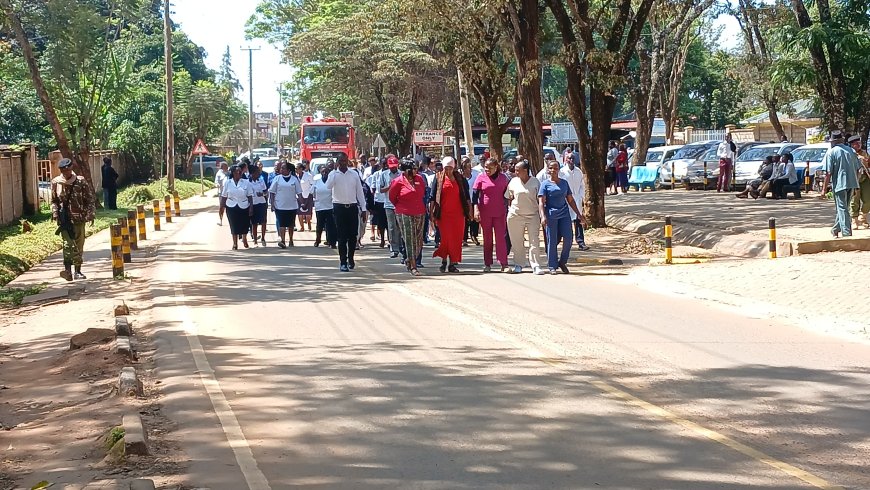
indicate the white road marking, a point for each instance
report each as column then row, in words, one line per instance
column 255, row 478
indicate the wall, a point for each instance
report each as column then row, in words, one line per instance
column 95, row 160
column 18, row 184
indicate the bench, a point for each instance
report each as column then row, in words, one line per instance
column 643, row 177
column 794, row 189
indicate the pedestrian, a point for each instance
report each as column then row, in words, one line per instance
column 261, row 205
column 523, row 218
column 472, row 227
column 570, row 155
column 72, row 206
column 323, row 207
column 379, row 214
column 407, row 194
column 450, row 209
column 237, row 199
column 347, row 200
column 841, row 172
column 306, row 205
column 386, row 178
column 610, row 169
column 285, row 195
column 220, row 179
column 490, row 211
column 554, row 201
column 572, row 174
column 620, row 168
column 725, row 152
column 110, row 184
column 861, row 198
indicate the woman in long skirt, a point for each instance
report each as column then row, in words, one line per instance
column 238, row 203
column 260, row 202
column 407, row 193
column 450, row 208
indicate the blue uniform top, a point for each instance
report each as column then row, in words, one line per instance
column 557, row 198
column 841, row 163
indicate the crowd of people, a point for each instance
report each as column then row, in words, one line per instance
column 406, row 204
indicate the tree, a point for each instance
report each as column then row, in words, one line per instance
column 226, row 77
column 22, row 118
column 598, row 42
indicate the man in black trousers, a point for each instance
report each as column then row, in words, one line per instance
column 347, row 201
column 110, row 185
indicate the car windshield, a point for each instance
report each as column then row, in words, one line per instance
column 691, row 151
column 325, row 134
column 654, row 156
column 268, row 162
column 756, row 154
column 809, row 154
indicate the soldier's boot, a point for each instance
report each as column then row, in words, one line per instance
column 79, row 276
column 66, row 273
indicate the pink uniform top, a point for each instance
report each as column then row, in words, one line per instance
column 408, row 198
column 491, row 194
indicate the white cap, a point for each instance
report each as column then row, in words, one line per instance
column 448, row 162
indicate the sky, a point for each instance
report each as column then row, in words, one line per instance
column 214, row 25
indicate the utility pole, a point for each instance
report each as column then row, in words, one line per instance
column 250, row 51
column 280, row 118
column 466, row 118
column 170, row 102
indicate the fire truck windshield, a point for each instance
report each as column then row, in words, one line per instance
column 325, row 134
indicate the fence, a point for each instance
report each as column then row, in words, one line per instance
column 19, row 190
column 95, row 162
column 43, row 170
column 706, row 134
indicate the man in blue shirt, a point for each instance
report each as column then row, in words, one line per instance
column 841, row 167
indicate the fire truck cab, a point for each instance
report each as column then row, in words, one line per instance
column 327, row 138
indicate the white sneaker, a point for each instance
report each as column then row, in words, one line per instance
column 539, row 271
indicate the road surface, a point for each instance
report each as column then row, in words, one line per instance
column 283, row 372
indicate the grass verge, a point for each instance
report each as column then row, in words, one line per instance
column 21, row 251
column 11, row 297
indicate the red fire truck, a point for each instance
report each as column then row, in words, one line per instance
column 327, row 137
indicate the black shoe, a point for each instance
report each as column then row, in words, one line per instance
column 452, row 268
column 333, row 247
column 443, row 267
column 66, row 274
column 351, row 264
column 344, row 268
column 79, row 276
column 564, row 269
column 316, row 244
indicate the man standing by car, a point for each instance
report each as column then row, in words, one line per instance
column 72, row 205
column 725, row 152
column 110, row 185
column 841, row 171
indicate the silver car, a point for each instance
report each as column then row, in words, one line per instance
column 746, row 166
column 685, row 156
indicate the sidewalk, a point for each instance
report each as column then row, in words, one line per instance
column 732, row 226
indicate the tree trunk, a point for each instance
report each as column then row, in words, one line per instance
column 457, row 128
column 770, row 102
column 644, row 108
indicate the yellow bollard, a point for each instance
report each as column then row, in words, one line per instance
column 177, row 203
column 807, row 180
column 167, row 208
column 131, row 230
column 125, row 240
column 706, row 182
column 771, row 242
column 140, row 218
column 117, row 252
column 669, row 242
column 673, row 176
column 155, row 207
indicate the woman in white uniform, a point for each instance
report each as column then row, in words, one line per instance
column 285, row 194
column 237, row 201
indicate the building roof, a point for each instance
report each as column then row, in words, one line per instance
column 798, row 110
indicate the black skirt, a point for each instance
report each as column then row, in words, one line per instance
column 239, row 220
column 286, row 218
column 259, row 217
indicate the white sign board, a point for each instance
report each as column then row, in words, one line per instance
column 563, row 132
column 424, row 138
column 379, row 142
column 285, row 127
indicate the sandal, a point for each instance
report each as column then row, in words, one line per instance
column 415, row 272
column 282, row 245
column 452, row 268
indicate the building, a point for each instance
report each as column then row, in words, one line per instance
column 797, row 118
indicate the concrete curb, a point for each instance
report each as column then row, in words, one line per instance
column 142, row 485
column 614, row 261
column 138, row 484
column 129, row 383
column 135, row 438
column 123, row 327
column 123, row 346
column 121, row 308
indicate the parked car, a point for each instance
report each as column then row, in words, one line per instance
column 658, row 154
column 210, row 165
column 746, row 166
column 317, row 164
column 694, row 178
column 44, row 191
column 812, row 156
column 685, row 156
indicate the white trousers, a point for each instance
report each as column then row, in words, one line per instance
column 518, row 227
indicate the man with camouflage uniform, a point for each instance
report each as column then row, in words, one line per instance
column 72, row 206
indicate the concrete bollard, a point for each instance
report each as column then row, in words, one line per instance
column 117, row 252
column 124, row 347
column 123, row 327
column 177, row 202
column 673, row 176
column 706, row 182
column 125, row 240
column 155, row 209
column 167, row 201
column 771, row 242
column 669, row 243
column 807, row 178
column 128, row 382
column 131, row 230
column 140, row 218
column 135, row 439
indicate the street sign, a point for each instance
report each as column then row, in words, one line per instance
column 379, row 142
column 200, row 148
column 429, row 138
column 285, row 128
column 563, row 132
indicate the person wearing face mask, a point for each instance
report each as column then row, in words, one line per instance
column 522, row 218
column 489, row 209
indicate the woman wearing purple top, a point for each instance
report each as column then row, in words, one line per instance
column 490, row 210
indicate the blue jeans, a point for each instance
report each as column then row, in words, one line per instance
column 578, row 232
column 843, row 223
column 559, row 229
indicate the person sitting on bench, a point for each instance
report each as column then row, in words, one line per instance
column 765, row 171
column 784, row 174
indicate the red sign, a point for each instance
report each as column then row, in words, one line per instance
column 200, row 148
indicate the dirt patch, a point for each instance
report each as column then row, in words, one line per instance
column 641, row 245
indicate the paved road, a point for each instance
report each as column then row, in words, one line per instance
column 283, row 372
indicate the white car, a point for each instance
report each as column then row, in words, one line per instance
column 746, row 166
column 317, row 164
column 810, row 154
column 685, row 156
column 658, row 154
